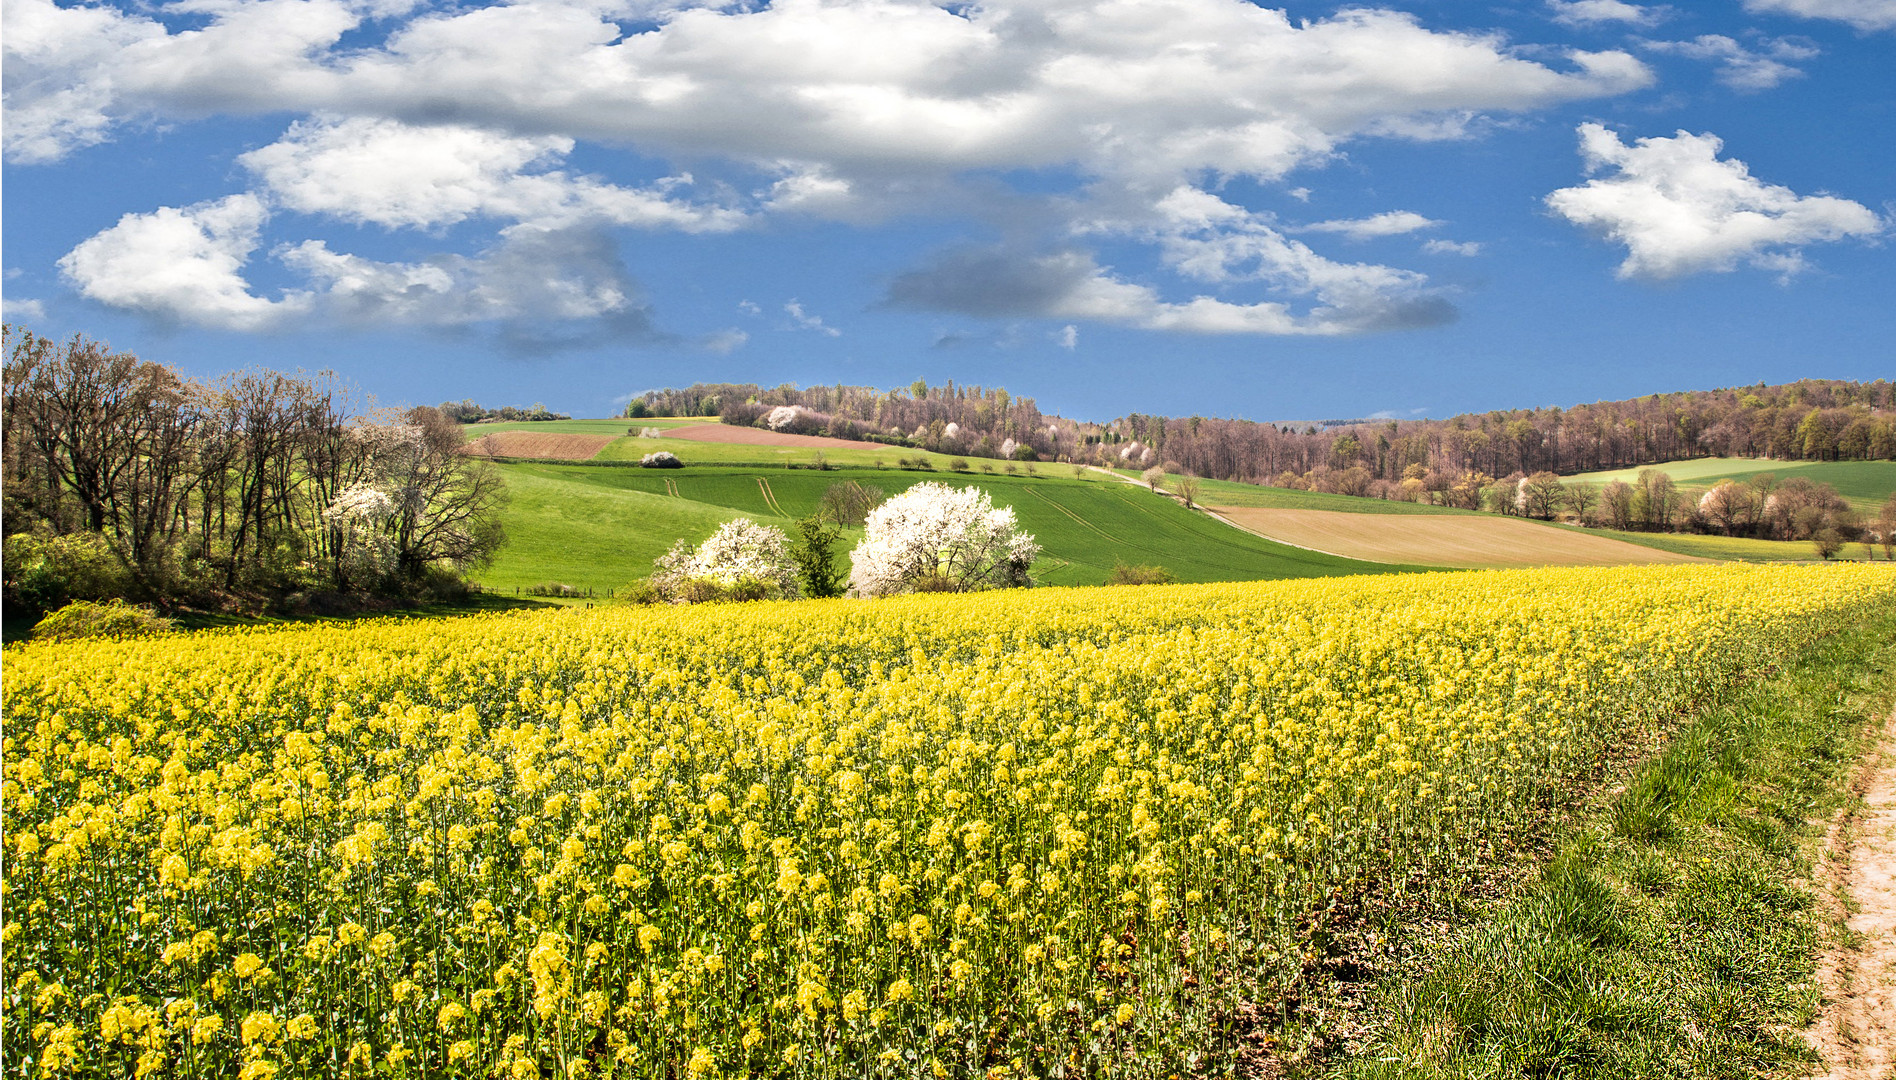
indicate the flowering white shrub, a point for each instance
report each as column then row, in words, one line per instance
column 365, row 549
column 661, row 459
column 360, row 504
column 782, row 417
column 933, row 535
column 741, row 555
column 1008, row 446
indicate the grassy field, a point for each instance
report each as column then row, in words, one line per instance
column 1674, row 931
column 695, row 452
column 569, row 427
column 1733, row 548
column 588, row 526
column 1865, row 483
column 1230, row 493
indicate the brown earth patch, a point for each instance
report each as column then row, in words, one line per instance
column 1856, row 1034
column 537, row 444
column 750, row 436
column 1449, row 540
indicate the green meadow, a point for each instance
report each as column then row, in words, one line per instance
column 600, row 527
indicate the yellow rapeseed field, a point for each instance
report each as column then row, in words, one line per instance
column 1062, row 832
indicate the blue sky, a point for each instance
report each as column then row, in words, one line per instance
column 1177, row 206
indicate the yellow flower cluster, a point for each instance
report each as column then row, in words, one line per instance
column 1023, row 832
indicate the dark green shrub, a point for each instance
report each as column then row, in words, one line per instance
column 1123, row 574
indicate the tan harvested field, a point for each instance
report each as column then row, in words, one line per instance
column 548, row 445
column 1441, row 541
column 750, row 436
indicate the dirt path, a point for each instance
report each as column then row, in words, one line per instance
column 1857, row 1032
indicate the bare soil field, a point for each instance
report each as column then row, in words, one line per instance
column 1469, row 541
column 546, row 445
column 750, row 436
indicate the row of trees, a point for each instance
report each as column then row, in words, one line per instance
column 972, row 420
column 1815, row 420
column 124, row 478
column 1764, row 506
column 465, row 411
column 930, row 538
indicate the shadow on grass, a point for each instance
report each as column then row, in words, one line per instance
column 17, row 628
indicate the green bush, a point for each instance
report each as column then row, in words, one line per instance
column 641, row 592
column 44, row 572
column 1139, row 575
column 83, row 619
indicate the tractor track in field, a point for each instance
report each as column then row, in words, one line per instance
column 770, row 497
column 1074, row 516
column 1856, row 1033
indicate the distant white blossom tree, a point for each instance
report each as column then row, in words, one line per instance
column 933, row 536
column 782, row 417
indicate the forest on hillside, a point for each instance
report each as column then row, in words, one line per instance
column 1812, row 419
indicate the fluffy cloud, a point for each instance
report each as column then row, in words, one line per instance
column 1865, row 15
column 846, row 89
column 187, row 265
column 181, row 265
column 388, row 173
column 1738, row 67
column 849, row 110
column 1389, row 223
column 1591, row 12
column 1681, row 210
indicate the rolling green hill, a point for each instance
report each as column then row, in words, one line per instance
column 601, row 526
column 1865, row 483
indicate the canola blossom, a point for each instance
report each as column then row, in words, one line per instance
column 1062, row 832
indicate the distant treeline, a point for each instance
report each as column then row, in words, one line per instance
column 465, row 411
column 125, row 479
column 1814, row 419
column 953, row 419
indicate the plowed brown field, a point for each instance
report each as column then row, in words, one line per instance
column 1447, row 540
column 536, row 444
column 750, row 436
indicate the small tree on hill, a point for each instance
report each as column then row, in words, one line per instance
column 1153, row 477
column 933, row 537
column 814, row 552
column 1187, row 487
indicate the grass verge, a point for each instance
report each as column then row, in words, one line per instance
column 1674, row 931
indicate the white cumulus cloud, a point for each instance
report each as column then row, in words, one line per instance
column 852, row 110
column 1865, row 15
column 183, row 264
column 388, row 173
column 1679, row 209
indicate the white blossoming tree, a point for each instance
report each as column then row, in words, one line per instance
column 742, row 560
column 933, row 536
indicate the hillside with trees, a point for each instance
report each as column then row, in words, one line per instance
column 1809, row 420
column 258, row 489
